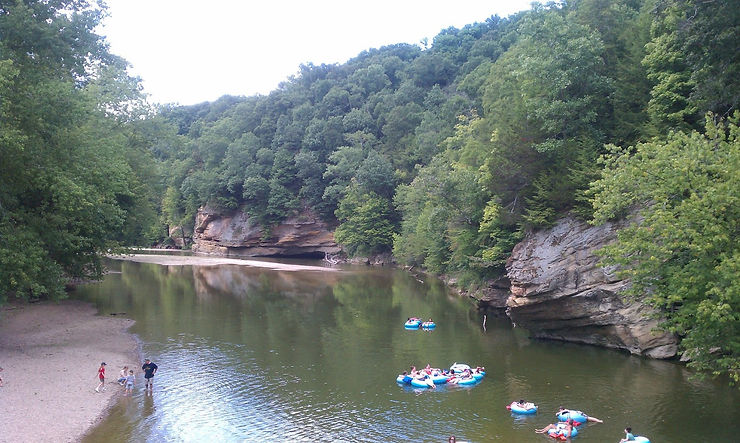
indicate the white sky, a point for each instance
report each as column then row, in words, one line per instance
column 189, row 51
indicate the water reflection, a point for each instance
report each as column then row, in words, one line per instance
column 250, row 354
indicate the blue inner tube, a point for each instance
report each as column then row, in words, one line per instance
column 467, row 381
column 479, row 375
column 641, row 439
column 412, row 324
column 428, row 325
column 516, row 409
column 403, row 379
column 420, row 383
column 578, row 416
column 560, row 431
column 439, row 379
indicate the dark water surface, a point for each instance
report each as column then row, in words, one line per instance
column 251, row 354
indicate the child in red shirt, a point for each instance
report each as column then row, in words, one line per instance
column 101, row 377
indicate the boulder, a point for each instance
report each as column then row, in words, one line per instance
column 559, row 291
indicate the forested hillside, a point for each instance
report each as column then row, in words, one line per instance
column 444, row 154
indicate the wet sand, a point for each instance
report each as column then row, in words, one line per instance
column 196, row 260
column 50, row 353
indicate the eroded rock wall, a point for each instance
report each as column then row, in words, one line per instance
column 558, row 291
column 234, row 234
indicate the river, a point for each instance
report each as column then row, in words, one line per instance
column 256, row 354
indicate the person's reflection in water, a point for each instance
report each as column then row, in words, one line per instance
column 148, row 409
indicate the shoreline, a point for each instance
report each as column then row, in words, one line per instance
column 200, row 260
column 50, row 353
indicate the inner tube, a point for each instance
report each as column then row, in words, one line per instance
column 428, row 325
column 513, row 407
column 403, row 379
column 560, row 432
column 459, row 367
column 439, row 379
column 641, row 439
column 479, row 375
column 577, row 416
column 423, row 383
column 412, row 324
column 467, row 381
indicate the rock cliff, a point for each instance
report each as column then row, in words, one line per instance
column 559, row 292
column 234, row 234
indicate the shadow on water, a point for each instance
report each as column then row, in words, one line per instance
column 256, row 354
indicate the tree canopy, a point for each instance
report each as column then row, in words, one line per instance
column 76, row 175
column 681, row 253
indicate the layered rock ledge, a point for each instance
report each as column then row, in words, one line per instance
column 235, row 234
column 558, row 291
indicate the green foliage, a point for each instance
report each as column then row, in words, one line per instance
column 77, row 177
column 559, row 74
column 693, row 60
column 375, row 174
column 499, row 238
column 441, row 209
column 669, row 105
column 681, row 252
column 366, row 222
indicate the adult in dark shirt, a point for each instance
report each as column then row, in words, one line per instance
column 149, row 369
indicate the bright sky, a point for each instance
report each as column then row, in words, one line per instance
column 189, row 51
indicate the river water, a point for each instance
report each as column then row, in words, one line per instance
column 253, row 354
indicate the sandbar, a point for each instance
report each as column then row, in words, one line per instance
column 199, row 260
column 50, row 353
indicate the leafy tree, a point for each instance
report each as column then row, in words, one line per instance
column 693, row 62
column 624, row 29
column 559, row 76
column 375, row 174
column 336, row 102
column 432, row 69
column 669, row 105
column 342, row 166
column 74, row 175
column 283, row 184
column 240, row 155
column 499, row 237
column 358, row 120
column 401, row 122
column 366, row 222
column 680, row 252
column 310, row 171
column 542, row 103
column 371, row 79
column 441, row 210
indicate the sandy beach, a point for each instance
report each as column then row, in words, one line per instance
column 199, row 260
column 50, row 353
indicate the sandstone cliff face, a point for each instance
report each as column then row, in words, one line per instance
column 558, row 291
column 234, row 234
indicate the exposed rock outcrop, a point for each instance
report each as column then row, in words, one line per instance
column 179, row 236
column 234, row 234
column 558, row 291
column 495, row 295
